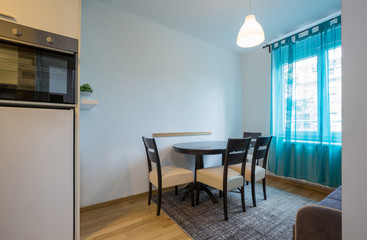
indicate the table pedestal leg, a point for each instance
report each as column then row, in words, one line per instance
column 199, row 164
column 203, row 187
column 210, row 194
column 186, row 193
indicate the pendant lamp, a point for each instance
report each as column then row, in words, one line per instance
column 251, row 33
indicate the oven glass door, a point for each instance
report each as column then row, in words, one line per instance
column 35, row 74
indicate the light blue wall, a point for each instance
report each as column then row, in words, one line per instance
column 256, row 97
column 147, row 78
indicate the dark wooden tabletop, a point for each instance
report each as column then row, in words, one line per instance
column 201, row 148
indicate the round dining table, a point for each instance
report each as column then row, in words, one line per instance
column 199, row 149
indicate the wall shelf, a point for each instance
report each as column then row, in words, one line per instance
column 88, row 103
column 177, row 134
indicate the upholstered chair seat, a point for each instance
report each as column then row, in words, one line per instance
column 259, row 172
column 171, row 176
column 213, row 177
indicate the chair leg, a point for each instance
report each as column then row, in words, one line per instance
column 225, row 205
column 150, row 193
column 192, row 195
column 197, row 193
column 253, row 193
column 220, row 193
column 264, row 188
column 159, row 200
column 243, row 198
column 176, row 190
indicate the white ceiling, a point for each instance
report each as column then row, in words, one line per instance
column 218, row 21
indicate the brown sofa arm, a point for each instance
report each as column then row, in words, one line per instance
column 318, row 223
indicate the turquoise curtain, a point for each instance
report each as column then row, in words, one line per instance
column 306, row 105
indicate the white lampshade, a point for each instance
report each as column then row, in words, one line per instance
column 251, row 33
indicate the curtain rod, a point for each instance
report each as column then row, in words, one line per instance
column 300, row 30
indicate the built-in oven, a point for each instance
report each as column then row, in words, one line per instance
column 36, row 65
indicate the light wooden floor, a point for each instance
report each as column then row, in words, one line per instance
column 132, row 218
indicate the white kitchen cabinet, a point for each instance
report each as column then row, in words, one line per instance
column 56, row 16
column 36, row 174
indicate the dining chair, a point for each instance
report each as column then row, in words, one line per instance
column 167, row 176
column 253, row 136
column 254, row 172
column 223, row 178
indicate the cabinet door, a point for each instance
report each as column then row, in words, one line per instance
column 56, row 16
column 36, row 174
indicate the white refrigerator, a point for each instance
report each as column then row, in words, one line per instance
column 36, row 173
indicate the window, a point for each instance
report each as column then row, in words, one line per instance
column 306, row 120
column 301, row 91
column 335, row 89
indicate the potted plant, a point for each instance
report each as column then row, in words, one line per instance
column 85, row 90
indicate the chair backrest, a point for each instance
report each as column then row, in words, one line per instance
column 153, row 156
column 261, row 150
column 253, row 136
column 236, row 152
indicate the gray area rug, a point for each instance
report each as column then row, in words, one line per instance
column 271, row 219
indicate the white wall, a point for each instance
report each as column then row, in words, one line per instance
column 148, row 78
column 256, row 90
column 354, row 164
